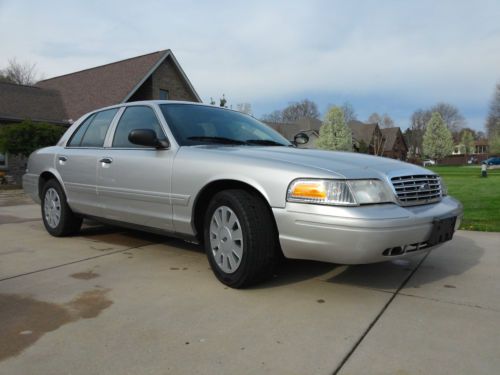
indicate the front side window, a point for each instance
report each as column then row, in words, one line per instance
column 93, row 131
column 196, row 124
column 136, row 117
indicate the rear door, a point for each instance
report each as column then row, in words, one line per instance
column 134, row 182
column 77, row 162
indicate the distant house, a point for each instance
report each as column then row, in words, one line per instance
column 307, row 125
column 367, row 138
column 62, row 100
column 395, row 146
column 481, row 146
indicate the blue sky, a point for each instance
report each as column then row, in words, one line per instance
column 384, row 56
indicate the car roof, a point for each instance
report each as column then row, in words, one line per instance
column 158, row 102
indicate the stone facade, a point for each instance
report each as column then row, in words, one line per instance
column 165, row 77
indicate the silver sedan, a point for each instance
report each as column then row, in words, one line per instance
column 224, row 179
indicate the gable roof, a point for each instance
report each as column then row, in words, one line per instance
column 361, row 131
column 290, row 129
column 19, row 102
column 390, row 135
column 108, row 84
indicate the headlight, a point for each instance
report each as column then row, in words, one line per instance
column 339, row 192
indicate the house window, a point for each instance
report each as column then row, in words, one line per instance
column 3, row 161
column 163, row 94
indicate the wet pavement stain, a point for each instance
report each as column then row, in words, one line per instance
column 85, row 275
column 23, row 320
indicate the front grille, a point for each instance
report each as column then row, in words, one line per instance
column 417, row 189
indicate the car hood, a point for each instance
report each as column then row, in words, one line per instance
column 344, row 164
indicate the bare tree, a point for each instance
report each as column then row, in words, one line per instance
column 293, row 112
column 298, row 110
column 274, row 116
column 415, row 133
column 493, row 120
column 20, row 73
column 450, row 114
column 349, row 112
column 384, row 121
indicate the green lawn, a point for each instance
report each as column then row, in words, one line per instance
column 480, row 196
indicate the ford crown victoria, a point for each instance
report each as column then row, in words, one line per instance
column 224, row 179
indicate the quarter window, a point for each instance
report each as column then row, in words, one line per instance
column 137, row 117
column 77, row 136
column 93, row 131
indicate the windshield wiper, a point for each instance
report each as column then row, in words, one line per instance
column 222, row 140
column 264, row 142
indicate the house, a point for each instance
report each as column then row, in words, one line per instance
column 307, row 125
column 62, row 100
column 367, row 138
column 395, row 146
column 481, row 146
column 18, row 102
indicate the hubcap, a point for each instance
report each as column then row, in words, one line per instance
column 226, row 239
column 52, row 208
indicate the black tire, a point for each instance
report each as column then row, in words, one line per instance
column 259, row 238
column 68, row 223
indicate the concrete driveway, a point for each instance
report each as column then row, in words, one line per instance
column 111, row 301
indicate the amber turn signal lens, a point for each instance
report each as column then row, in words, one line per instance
column 314, row 190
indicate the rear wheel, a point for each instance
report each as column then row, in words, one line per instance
column 57, row 217
column 239, row 237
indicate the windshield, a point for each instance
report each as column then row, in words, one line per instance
column 196, row 125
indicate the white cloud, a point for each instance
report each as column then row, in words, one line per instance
column 418, row 52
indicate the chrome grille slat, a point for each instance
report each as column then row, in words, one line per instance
column 417, row 189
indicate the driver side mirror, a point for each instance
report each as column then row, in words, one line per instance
column 300, row 139
column 147, row 137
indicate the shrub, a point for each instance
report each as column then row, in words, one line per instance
column 28, row 136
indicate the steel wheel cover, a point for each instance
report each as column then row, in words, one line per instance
column 52, row 208
column 226, row 239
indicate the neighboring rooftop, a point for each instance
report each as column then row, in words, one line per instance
column 361, row 131
column 18, row 102
column 391, row 135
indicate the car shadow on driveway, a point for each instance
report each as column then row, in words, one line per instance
column 451, row 259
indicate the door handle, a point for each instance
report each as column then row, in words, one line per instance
column 106, row 160
column 63, row 158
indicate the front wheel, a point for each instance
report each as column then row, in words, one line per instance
column 57, row 216
column 240, row 238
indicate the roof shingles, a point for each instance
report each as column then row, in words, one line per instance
column 104, row 85
column 18, row 102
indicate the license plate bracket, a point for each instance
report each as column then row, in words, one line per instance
column 442, row 230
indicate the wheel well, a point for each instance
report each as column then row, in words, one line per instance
column 42, row 180
column 206, row 194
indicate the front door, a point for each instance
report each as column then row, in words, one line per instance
column 133, row 182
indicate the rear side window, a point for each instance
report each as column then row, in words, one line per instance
column 137, row 117
column 77, row 137
column 93, row 131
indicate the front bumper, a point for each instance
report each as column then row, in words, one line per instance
column 357, row 235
